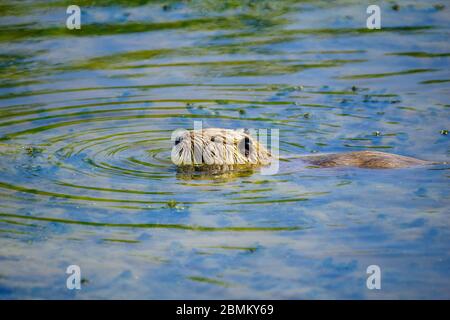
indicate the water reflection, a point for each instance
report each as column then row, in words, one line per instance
column 85, row 170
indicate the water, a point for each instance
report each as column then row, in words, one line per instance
column 85, row 172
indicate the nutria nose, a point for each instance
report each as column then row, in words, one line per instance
column 178, row 140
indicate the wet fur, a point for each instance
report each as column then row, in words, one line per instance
column 218, row 149
column 224, row 150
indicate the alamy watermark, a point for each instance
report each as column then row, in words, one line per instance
column 74, row 279
column 374, row 279
column 74, row 20
column 199, row 147
column 374, row 20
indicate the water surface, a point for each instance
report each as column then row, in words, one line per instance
column 86, row 178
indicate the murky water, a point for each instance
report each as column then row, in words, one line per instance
column 85, row 172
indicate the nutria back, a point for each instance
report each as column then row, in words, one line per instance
column 363, row 159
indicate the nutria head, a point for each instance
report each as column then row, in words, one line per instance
column 218, row 147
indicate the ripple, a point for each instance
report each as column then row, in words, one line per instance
column 155, row 226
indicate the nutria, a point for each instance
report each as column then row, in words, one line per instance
column 216, row 149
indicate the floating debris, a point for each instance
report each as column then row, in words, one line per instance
column 32, row 151
column 166, row 7
column 172, row 204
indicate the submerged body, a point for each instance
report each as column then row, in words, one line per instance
column 214, row 150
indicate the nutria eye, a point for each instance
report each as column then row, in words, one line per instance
column 178, row 140
column 244, row 146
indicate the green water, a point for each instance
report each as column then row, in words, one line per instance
column 86, row 179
